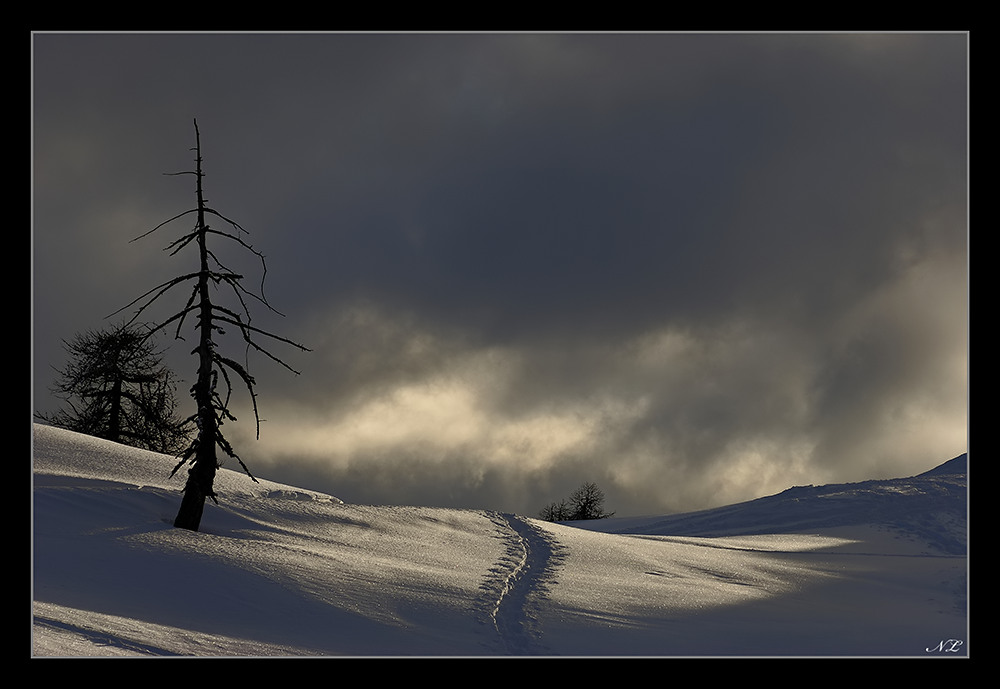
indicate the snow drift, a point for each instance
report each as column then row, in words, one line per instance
column 877, row 568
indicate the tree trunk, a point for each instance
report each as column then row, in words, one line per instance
column 115, row 422
column 192, row 507
column 201, row 476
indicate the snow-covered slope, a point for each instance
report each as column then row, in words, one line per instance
column 284, row 571
column 930, row 508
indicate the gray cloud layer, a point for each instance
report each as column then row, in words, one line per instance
column 693, row 268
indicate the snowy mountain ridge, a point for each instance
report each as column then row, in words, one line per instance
column 932, row 505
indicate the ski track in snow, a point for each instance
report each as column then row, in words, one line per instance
column 517, row 582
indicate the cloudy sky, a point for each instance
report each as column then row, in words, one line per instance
column 694, row 269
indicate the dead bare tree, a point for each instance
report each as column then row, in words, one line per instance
column 212, row 318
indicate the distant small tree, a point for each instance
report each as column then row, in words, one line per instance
column 586, row 502
column 115, row 386
column 555, row 511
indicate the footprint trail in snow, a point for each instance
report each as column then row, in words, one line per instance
column 518, row 582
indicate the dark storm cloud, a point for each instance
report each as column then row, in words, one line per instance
column 625, row 204
column 693, row 267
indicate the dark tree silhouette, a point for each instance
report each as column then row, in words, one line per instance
column 211, row 319
column 555, row 511
column 116, row 387
column 586, row 502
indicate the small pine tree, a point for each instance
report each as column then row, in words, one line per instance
column 115, row 386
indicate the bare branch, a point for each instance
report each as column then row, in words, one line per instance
column 180, row 243
column 162, row 287
column 165, row 222
column 259, row 331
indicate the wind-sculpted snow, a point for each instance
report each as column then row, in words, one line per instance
column 115, row 641
column 288, row 494
column 931, row 507
column 58, row 452
column 279, row 570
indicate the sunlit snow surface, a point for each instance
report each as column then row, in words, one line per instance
column 876, row 568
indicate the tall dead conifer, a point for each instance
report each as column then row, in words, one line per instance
column 212, row 318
